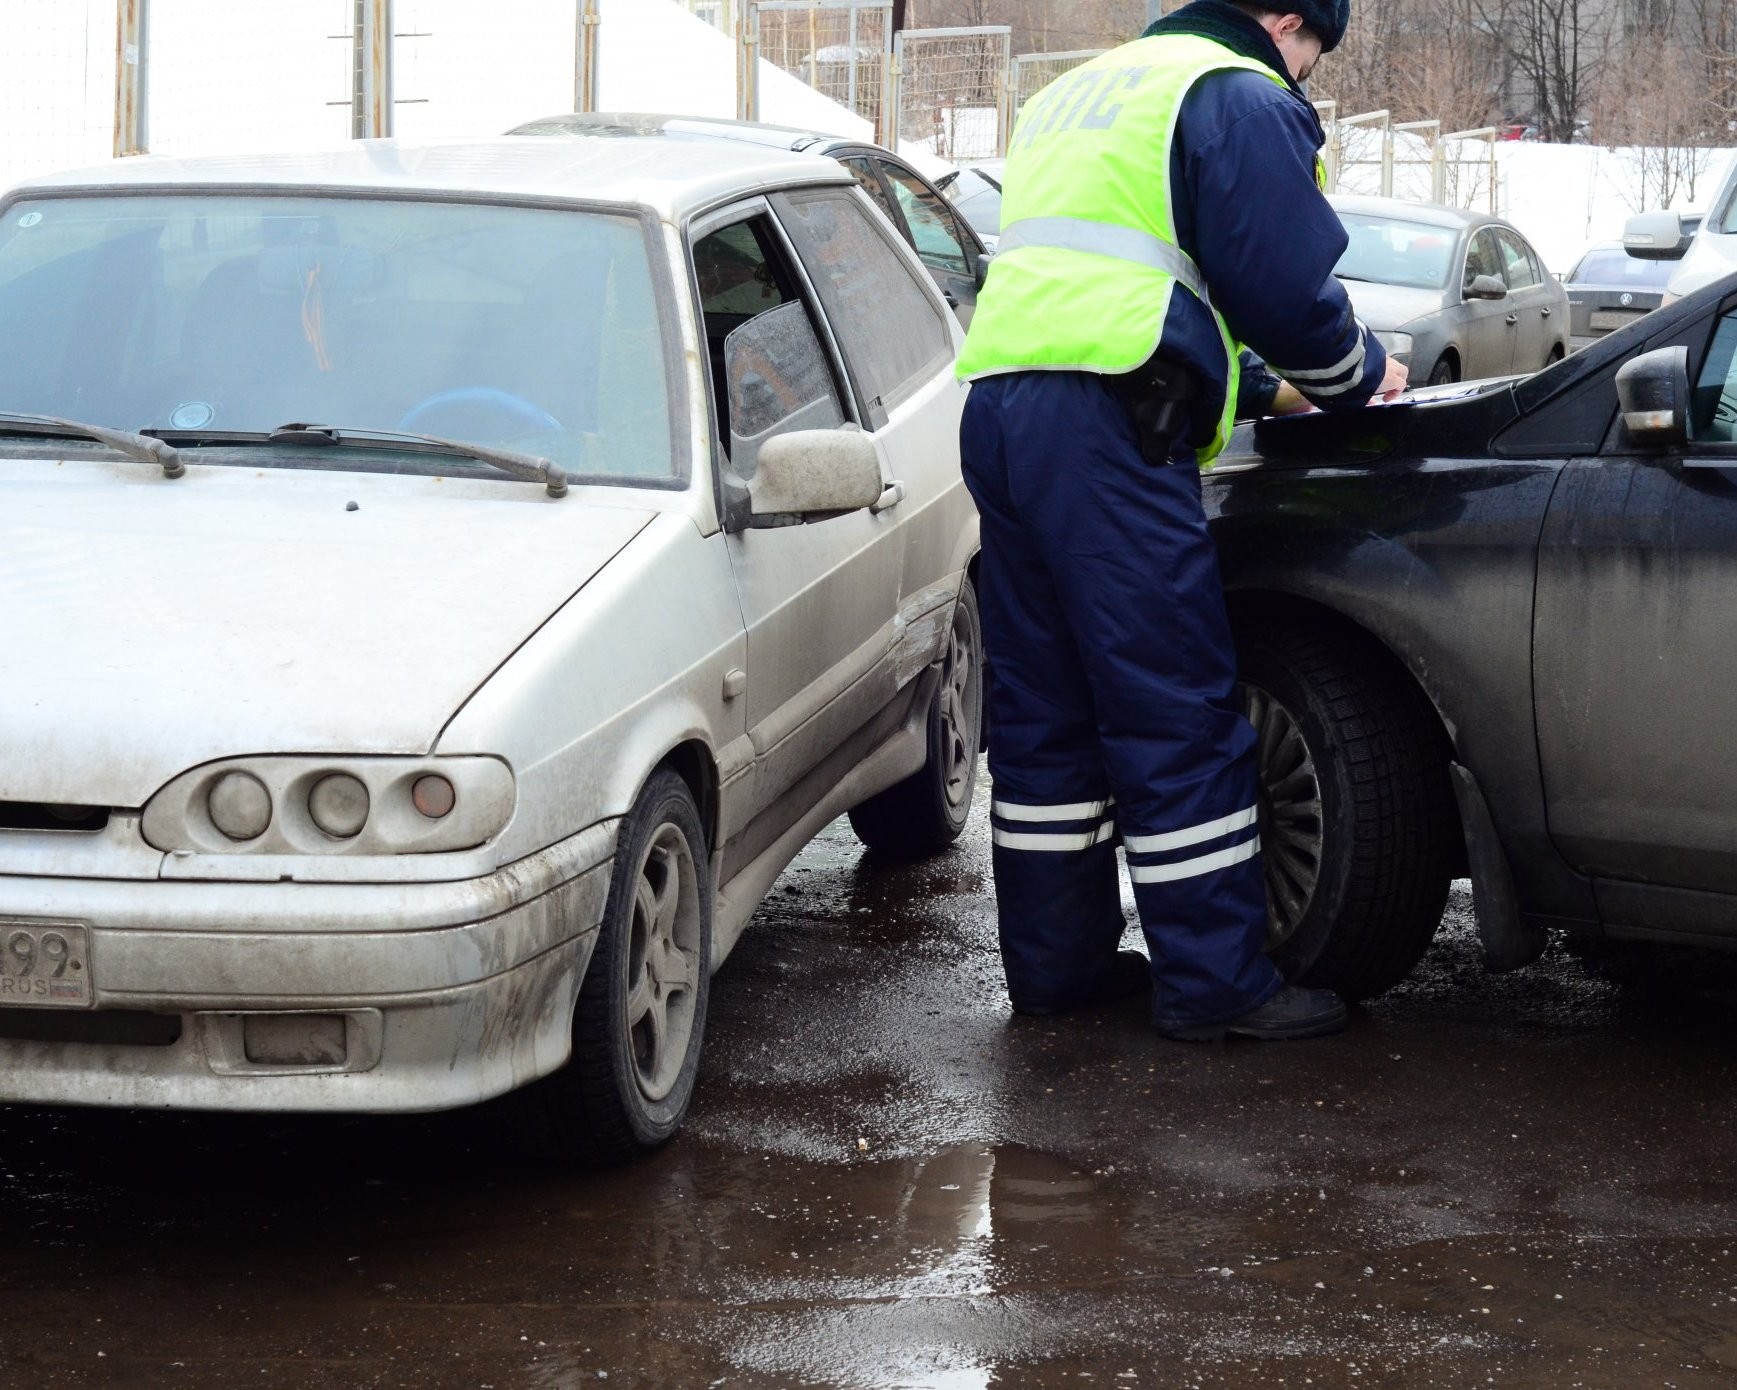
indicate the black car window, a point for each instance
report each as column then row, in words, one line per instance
column 1516, row 261
column 932, row 231
column 1482, row 258
column 769, row 371
column 1713, row 407
column 892, row 328
column 870, row 183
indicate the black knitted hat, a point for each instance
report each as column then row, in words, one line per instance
column 1327, row 18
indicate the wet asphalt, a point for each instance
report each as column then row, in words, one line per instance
column 887, row 1181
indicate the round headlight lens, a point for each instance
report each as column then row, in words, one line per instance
column 433, row 796
column 239, row 805
column 338, row 804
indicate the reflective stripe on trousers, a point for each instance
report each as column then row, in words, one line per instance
column 1112, row 707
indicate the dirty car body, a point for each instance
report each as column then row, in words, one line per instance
column 319, row 753
column 1538, row 599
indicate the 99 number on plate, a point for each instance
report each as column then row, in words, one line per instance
column 44, row 964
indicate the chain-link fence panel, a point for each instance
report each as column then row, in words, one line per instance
column 57, row 85
column 951, row 90
column 1032, row 72
column 838, row 47
column 228, row 77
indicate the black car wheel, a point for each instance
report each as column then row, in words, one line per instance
column 926, row 812
column 642, row 1008
column 1356, row 810
column 1444, row 371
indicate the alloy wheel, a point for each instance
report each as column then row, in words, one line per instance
column 960, row 675
column 1291, row 821
column 663, row 962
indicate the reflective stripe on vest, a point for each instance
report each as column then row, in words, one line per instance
column 1107, row 239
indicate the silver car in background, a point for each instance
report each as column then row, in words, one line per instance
column 444, row 586
column 1453, row 294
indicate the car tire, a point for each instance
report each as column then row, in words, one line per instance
column 1446, row 370
column 925, row 813
column 641, row 1013
column 1358, row 824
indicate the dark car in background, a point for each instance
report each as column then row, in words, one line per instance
column 1487, row 632
column 1608, row 288
column 943, row 240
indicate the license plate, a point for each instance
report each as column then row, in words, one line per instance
column 44, row 965
column 1614, row 318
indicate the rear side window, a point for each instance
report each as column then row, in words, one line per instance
column 892, row 330
column 1522, row 274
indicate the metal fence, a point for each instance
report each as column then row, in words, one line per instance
column 1032, row 72
column 949, row 91
column 1415, row 160
column 838, row 47
column 83, row 80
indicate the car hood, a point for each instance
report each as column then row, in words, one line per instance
column 1391, row 306
column 149, row 625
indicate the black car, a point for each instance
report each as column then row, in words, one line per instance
column 943, row 240
column 1488, row 632
column 1609, row 288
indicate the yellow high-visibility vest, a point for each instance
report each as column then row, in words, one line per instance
column 1087, row 260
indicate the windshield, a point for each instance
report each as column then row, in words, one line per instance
column 526, row 328
column 1616, row 267
column 1393, row 252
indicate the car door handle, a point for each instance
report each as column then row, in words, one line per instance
column 1513, row 318
column 951, row 298
column 1545, row 311
column 891, row 495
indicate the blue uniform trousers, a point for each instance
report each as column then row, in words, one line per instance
column 1112, row 707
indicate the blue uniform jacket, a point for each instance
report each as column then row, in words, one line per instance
column 1248, row 210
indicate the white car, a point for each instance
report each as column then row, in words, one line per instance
column 444, row 585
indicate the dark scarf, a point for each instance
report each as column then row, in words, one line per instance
column 1225, row 24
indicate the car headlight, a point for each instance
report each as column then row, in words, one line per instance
column 337, row 805
column 1398, row 345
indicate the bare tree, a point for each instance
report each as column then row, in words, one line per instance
column 1556, row 48
column 1658, row 112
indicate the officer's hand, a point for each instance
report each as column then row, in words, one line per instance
column 1393, row 382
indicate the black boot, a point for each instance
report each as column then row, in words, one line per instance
column 1294, row 1012
column 1128, row 972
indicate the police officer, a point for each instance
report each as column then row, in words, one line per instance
column 1161, row 208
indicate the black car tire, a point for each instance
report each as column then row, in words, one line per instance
column 621, row 1094
column 1357, row 874
column 1446, row 370
column 926, row 812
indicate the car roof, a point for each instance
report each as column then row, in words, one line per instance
column 633, row 123
column 671, row 177
column 1431, row 214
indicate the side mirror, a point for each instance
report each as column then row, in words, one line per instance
column 980, row 271
column 1656, row 236
column 1486, row 287
column 811, row 474
column 1653, row 391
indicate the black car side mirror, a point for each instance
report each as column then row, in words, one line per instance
column 980, row 271
column 1653, row 391
column 1486, row 287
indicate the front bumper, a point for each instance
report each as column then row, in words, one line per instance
column 298, row 996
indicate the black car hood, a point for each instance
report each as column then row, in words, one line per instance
column 1441, row 420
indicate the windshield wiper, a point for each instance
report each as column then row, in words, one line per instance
column 135, row 446
column 533, row 468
